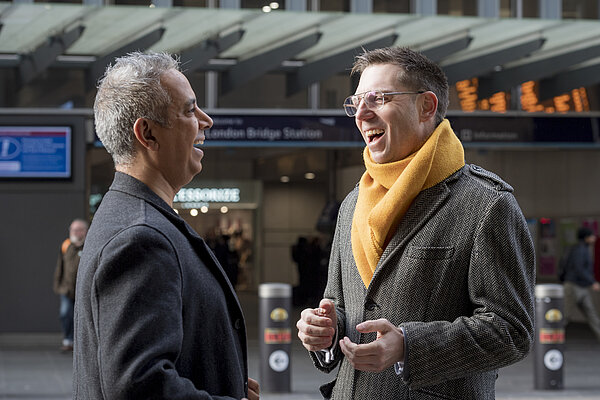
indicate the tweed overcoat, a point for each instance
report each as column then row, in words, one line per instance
column 155, row 316
column 458, row 276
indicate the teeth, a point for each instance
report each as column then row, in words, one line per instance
column 199, row 141
column 373, row 132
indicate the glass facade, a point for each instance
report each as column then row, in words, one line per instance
column 62, row 87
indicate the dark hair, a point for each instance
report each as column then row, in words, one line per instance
column 583, row 233
column 418, row 72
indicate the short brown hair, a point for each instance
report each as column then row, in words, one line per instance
column 419, row 72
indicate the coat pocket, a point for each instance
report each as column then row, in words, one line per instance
column 430, row 253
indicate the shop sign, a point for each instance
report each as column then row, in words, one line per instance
column 208, row 195
column 283, row 130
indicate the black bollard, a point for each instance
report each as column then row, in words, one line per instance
column 275, row 330
column 550, row 337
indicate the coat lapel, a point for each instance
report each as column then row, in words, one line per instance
column 128, row 184
column 423, row 208
column 205, row 255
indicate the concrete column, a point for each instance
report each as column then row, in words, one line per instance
column 295, row 5
column 516, row 8
column 488, row 8
column 163, row 3
column 314, row 92
column 231, row 3
column 423, row 7
column 211, row 94
column 361, row 6
column 550, row 9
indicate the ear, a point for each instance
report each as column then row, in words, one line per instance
column 142, row 128
column 429, row 103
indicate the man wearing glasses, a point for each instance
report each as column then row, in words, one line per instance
column 431, row 274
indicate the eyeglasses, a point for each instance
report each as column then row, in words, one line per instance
column 374, row 100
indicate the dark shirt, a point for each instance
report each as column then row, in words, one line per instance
column 579, row 268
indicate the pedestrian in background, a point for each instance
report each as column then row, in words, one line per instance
column 432, row 272
column 155, row 314
column 577, row 272
column 65, row 277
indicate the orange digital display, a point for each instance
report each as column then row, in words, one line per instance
column 574, row 101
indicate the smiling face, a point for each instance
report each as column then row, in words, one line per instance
column 180, row 161
column 399, row 128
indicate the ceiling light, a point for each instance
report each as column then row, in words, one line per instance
column 284, row 179
column 193, row 212
column 204, row 209
column 266, row 9
column 274, row 5
column 309, row 175
column 224, row 209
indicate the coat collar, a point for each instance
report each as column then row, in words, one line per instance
column 128, row 184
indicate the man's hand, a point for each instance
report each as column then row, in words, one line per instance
column 253, row 390
column 379, row 355
column 316, row 327
column 596, row 286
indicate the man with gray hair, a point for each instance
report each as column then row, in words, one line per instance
column 65, row 276
column 155, row 315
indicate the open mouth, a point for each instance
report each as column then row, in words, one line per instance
column 374, row 134
column 198, row 142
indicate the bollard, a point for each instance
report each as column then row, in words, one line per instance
column 550, row 337
column 274, row 328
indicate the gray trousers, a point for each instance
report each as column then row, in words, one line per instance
column 581, row 297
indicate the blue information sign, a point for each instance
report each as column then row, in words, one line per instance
column 35, row 152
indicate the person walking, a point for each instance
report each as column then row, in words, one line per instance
column 65, row 277
column 579, row 281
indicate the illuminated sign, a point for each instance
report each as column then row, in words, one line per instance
column 279, row 314
column 208, row 195
column 574, row 101
column 552, row 336
column 35, row 152
column 553, row 315
column 278, row 336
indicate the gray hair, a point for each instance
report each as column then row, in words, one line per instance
column 131, row 89
column 418, row 72
column 81, row 221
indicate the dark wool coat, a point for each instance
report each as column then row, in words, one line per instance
column 458, row 276
column 155, row 316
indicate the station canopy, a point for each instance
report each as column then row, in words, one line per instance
column 308, row 47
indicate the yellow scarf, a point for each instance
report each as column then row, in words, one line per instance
column 387, row 190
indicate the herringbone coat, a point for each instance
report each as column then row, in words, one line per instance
column 458, row 276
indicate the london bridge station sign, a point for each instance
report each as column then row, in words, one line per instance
column 479, row 129
column 473, row 129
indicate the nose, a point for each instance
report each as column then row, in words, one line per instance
column 204, row 121
column 363, row 112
